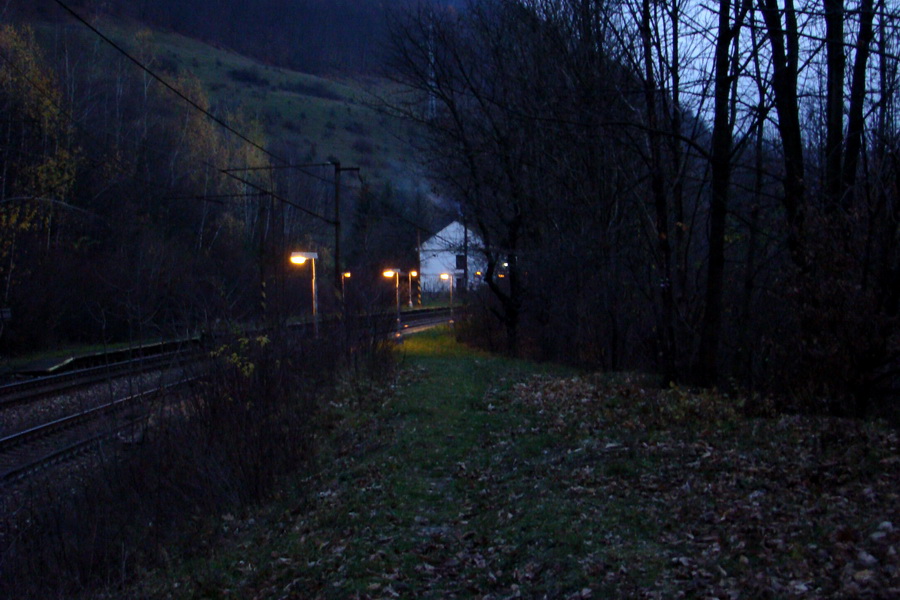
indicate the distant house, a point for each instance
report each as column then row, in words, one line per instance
column 450, row 251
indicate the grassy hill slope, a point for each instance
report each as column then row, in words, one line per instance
column 317, row 118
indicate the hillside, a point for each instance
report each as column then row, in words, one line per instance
column 122, row 147
column 311, row 118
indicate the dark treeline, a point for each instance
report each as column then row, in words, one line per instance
column 311, row 35
column 117, row 220
column 314, row 36
column 708, row 191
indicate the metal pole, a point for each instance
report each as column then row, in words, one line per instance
column 419, row 262
column 338, row 273
column 451, row 297
column 409, row 287
column 397, row 292
column 315, row 301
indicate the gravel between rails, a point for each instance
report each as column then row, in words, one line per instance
column 21, row 417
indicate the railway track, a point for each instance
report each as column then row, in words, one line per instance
column 30, row 390
column 35, row 448
column 58, row 438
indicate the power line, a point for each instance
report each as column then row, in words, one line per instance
column 276, row 196
column 196, row 106
column 216, row 198
column 165, row 83
column 302, row 168
column 228, row 172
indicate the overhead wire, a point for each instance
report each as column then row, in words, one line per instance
column 225, row 171
column 165, row 83
column 196, row 106
column 62, row 112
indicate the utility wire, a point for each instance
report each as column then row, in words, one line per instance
column 165, row 83
column 208, row 114
column 302, row 168
column 211, row 116
column 68, row 116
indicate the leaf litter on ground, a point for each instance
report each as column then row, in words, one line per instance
column 600, row 486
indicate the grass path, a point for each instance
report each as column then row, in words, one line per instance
column 465, row 482
column 442, row 504
column 440, row 510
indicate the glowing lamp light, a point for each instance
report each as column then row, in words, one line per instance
column 445, row 276
column 346, row 274
column 413, row 273
column 389, row 273
column 299, row 258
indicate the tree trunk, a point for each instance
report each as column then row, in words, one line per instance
column 666, row 330
column 720, row 157
column 785, row 47
column 857, row 98
column 834, row 100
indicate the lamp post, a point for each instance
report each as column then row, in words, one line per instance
column 448, row 277
column 410, row 275
column 395, row 273
column 344, row 277
column 299, row 258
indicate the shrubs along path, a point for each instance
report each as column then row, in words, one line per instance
column 475, row 476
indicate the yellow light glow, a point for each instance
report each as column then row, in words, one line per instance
column 389, row 273
column 501, row 275
column 478, row 273
column 347, row 275
column 299, row 258
column 413, row 273
column 445, row 276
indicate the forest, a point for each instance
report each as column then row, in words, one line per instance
column 703, row 191
column 706, row 191
column 136, row 208
column 690, row 218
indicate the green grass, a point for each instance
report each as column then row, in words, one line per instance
column 461, row 481
column 440, row 504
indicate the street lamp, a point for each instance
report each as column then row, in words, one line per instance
column 344, row 277
column 395, row 273
column 448, row 277
column 410, row 275
column 299, row 258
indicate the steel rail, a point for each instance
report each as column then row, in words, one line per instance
column 22, row 392
column 45, row 431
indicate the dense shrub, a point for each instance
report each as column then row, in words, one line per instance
column 230, row 442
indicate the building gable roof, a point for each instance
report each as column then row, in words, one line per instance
column 451, row 239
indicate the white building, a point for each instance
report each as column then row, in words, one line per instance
column 449, row 251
